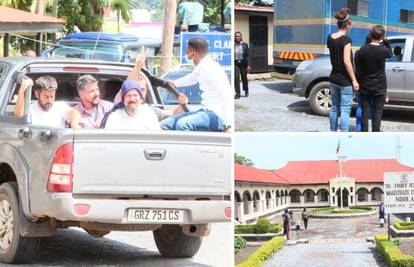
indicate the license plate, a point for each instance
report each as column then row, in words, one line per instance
column 155, row 216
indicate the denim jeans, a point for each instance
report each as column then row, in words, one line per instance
column 341, row 104
column 200, row 120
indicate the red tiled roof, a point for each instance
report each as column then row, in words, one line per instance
column 321, row 171
column 250, row 174
column 242, row 7
column 11, row 15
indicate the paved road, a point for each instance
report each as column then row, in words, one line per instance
column 73, row 247
column 272, row 106
column 332, row 242
column 351, row 254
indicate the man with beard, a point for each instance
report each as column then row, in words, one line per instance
column 46, row 111
column 131, row 113
column 91, row 107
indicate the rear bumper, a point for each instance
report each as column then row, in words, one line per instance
column 115, row 211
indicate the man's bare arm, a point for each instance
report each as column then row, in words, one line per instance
column 139, row 64
column 19, row 110
column 74, row 117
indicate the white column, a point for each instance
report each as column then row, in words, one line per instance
column 369, row 198
column 251, row 207
column 349, row 200
column 302, row 200
column 316, row 199
column 239, row 211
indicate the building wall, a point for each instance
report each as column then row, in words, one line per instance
column 242, row 25
column 267, row 199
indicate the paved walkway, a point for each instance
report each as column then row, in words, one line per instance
column 325, row 254
column 332, row 242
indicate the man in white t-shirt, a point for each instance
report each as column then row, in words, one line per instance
column 216, row 93
column 46, row 111
column 131, row 113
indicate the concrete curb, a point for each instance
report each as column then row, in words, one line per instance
column 401, row 233
column 336, row 216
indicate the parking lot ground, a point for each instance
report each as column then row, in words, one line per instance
column 272, row 107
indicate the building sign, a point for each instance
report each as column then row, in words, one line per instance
column 399, row 192
column 344, row 182
column 220, row 46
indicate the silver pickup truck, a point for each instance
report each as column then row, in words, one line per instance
column 172, row 183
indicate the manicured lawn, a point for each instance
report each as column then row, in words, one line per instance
column 332, row 210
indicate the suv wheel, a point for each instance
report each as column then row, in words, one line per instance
column 14, row 248
column 172, row 242
column 320, row 99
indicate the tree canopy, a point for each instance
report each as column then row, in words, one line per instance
column 242, row 160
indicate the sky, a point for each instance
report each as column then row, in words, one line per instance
column 272, row 151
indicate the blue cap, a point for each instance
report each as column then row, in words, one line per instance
column 129, row 85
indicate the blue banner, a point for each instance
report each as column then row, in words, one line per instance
column 220, row 46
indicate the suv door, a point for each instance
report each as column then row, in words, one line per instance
column 409, row 76
column 396, row 69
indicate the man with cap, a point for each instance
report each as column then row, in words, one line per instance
column 131, row 113
column 216, row 93
column 46, row 111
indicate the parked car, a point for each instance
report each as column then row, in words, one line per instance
column 114, row 47
column 311, row 79
column 172, row 183
column 192, row 92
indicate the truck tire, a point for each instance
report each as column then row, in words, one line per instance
column 320, row 99
column 172, row 242
column 14, row 248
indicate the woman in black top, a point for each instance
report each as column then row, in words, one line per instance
column 342, row 79
column 370, row 66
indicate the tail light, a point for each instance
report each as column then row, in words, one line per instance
column 61, row 172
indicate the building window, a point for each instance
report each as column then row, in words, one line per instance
column 362, row 196
column 309, row 196
column 295, row 197
column 359, row 8
column 376, row 195
column 323, row 196
column 406, row 16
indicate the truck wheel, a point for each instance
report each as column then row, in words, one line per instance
column 320, row 99
column 13, row 247
column 172, row 242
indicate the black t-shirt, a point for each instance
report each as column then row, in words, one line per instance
column 339, row 75
column 370, row 67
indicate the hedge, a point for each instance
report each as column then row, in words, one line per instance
column 404, row 225
column 263, row 253
column 393, row 256
column 258, row 228
column 239, row 242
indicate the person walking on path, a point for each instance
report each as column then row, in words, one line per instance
column 305, row 218
column 342, row 79
column 382, row 214
column 286, row 224
column 241, row 65
column 370, row 68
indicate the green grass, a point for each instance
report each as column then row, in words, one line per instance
column 404, row 225
column 332, row 210
column 253, row 229
column 238, row 107
column 244, row 129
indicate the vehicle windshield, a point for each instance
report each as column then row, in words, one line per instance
column 107, row 52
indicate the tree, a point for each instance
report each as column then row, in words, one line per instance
column 18, row 4
column 242, row 160
column 212, row 10
column 122, row 8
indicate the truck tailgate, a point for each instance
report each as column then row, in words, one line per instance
column 166, row 163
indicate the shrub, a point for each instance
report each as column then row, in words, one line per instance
column 276, row 228
column 404, row 225
column 239, row 242
column 244, row 229
column 262, row 226
column 263, row 253
column 393, row 256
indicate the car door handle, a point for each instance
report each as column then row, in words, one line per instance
column 25, row 133
column 397, row 69
column 155, row 154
